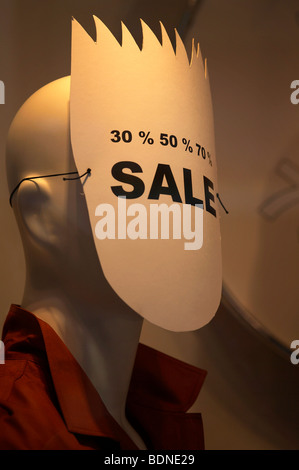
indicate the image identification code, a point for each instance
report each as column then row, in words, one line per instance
column 150, row 459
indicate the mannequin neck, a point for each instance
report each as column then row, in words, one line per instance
column 104, row 342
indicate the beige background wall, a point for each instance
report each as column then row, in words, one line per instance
column 249, row 400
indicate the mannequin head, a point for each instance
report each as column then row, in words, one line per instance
column 51, row 213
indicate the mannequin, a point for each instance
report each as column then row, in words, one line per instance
column 70, row 316
column 65, row 286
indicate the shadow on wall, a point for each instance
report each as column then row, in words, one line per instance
column 252, row 380
column 275, row 286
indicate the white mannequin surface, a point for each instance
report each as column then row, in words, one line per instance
column 65, row 285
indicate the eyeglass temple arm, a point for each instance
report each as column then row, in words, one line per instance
column 88, row 172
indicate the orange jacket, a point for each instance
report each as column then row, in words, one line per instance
column 48, row 402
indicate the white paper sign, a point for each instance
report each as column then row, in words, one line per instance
column 142, row 121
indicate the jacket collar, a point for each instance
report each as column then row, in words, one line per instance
column 159, row 381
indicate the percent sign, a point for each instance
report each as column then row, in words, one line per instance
column 146, row 137
column 187, row 145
